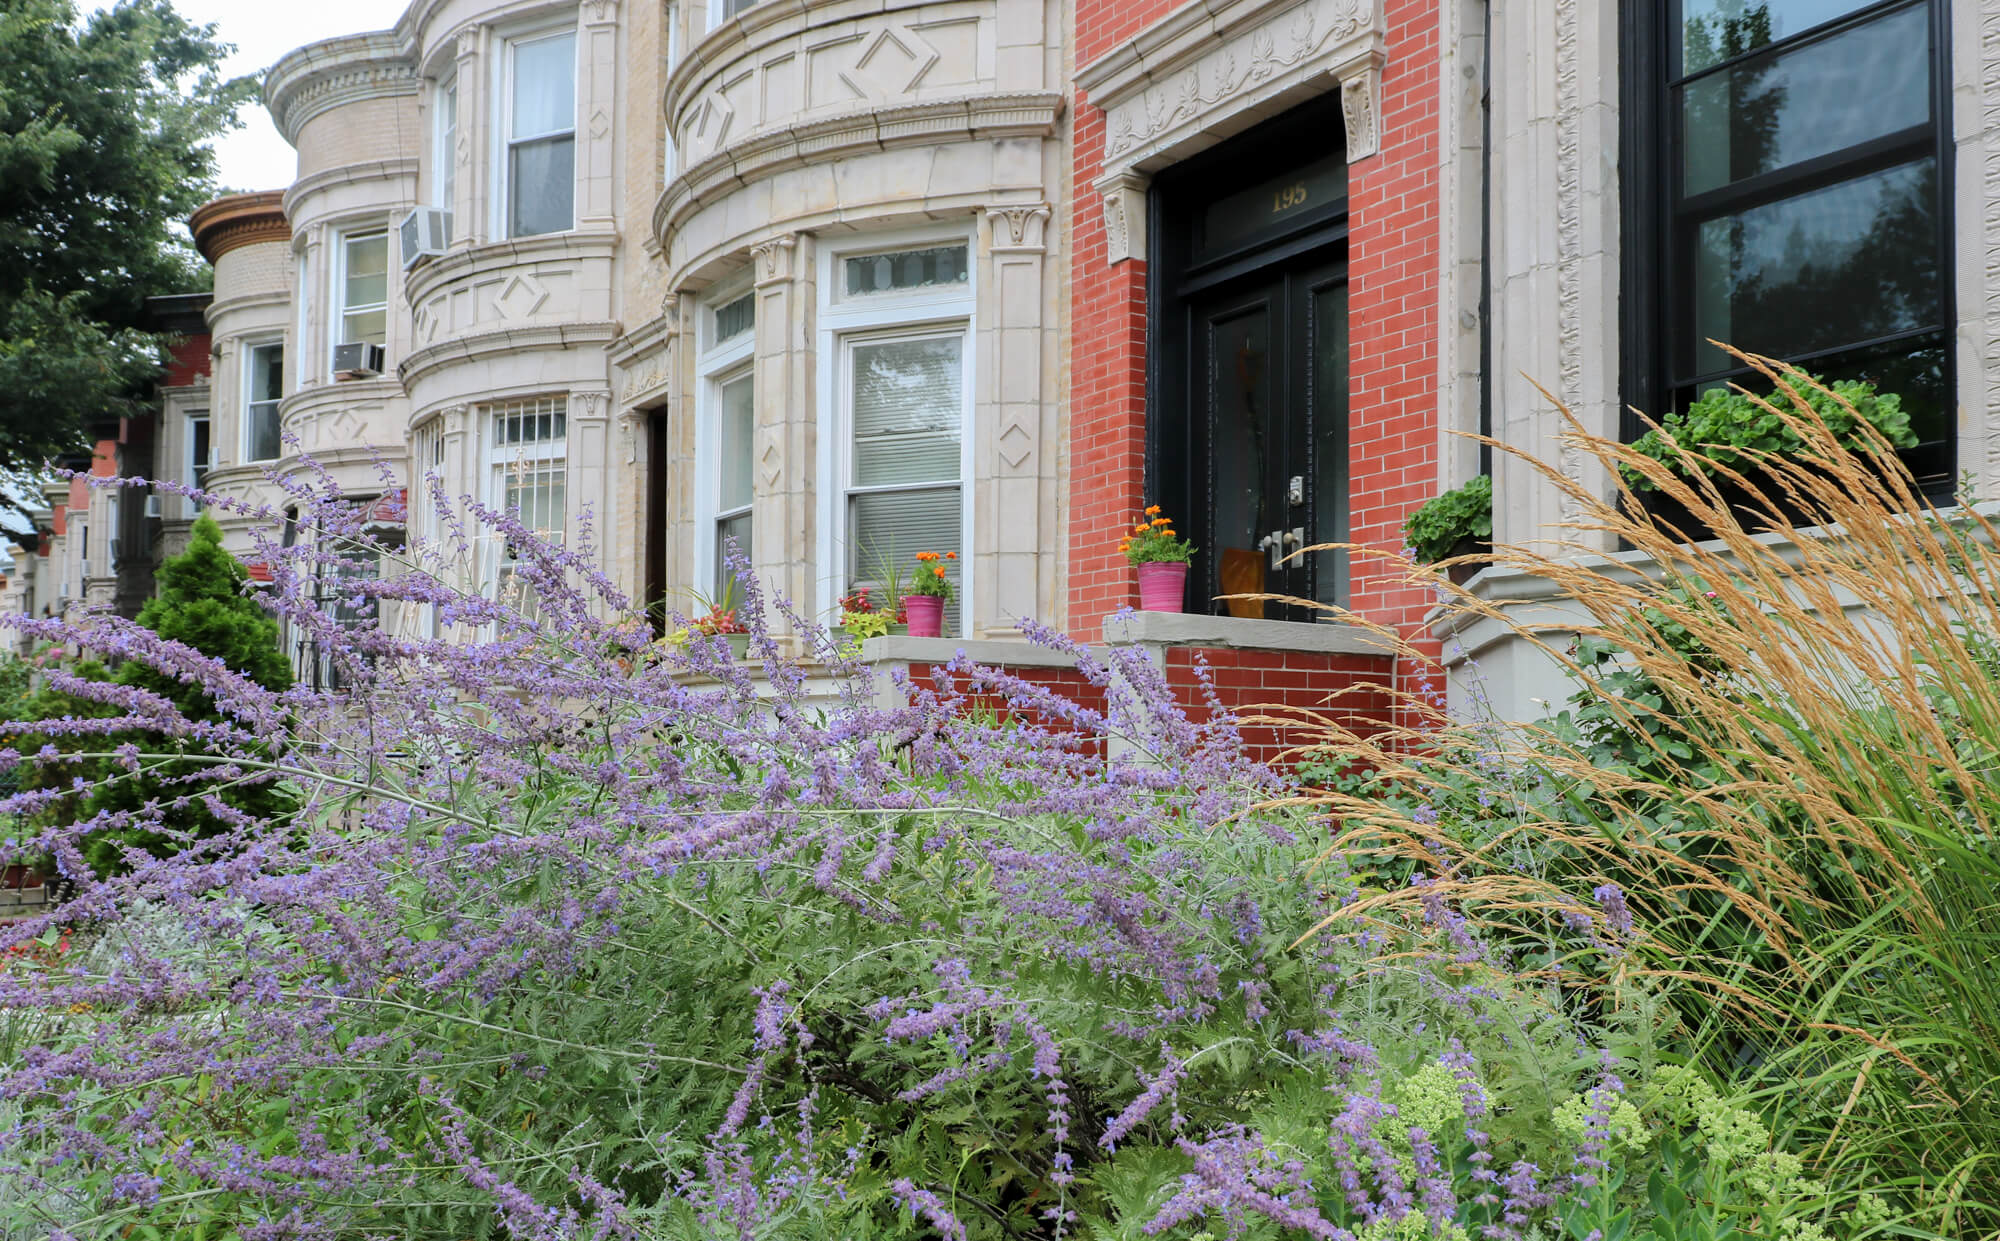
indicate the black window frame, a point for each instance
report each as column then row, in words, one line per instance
column 1658, row 274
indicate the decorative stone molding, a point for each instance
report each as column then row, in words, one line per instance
column 326, row 75
column 1019, row 228
column 1124, row 195
column 590, row 404
column 1207, row 71
column 600, row 12
column 859, row 133
column 238, row 220
column 553, row 336
column 298, row 192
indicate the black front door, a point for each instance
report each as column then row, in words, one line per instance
column 1268, row 391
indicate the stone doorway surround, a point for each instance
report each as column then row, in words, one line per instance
column 1209, row 71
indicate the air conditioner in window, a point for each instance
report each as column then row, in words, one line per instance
column 357, row 359
column 153, row 505
column 425, row 233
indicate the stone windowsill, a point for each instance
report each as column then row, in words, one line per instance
column 899, row 648
column 1236, row 633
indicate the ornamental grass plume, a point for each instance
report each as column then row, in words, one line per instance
column 1777, row 773
column 568, row 933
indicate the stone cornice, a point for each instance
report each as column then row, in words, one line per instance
column 218, row 311
column 1209, row 69
column 350, row 174
column 324, row 75
column 838, row 137
column 458, row 349
column 237, row 220
column 463, row 261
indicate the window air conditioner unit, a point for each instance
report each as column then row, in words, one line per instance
column 357, row 360
column 426, row 232
column 153, row 505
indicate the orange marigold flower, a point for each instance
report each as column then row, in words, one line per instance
column 939, row 571
column 926, row 557
column 1160, row 521
column 1139, row 529
column 951, row 555
column 1152, row 510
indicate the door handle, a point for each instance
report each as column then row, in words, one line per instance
column 1273, row 547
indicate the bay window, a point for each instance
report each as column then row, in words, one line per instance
column 1788, row 197
column 538, row 128
column 727, row 428
column 899, row 323
column 263, row 386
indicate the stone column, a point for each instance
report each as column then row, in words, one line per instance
column 1014, row 422
column 596, row 120
column 468, row 191
column 784, row 524
column 587, row 442
column 1555, row 302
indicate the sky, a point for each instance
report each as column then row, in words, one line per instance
column 255, row 157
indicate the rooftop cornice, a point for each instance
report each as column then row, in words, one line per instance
column 308, row 81
column 239, row 220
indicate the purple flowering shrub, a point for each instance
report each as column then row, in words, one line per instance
column 570, row 933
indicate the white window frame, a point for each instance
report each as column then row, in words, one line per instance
column 503, row 127
column 719, row 363
column 337, row 306
column 718, row 10
column 846, row 321
column 194, row 471
column 245, row 441
column 501, row 459
column 444, row 143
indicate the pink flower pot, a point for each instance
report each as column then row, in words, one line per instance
column 1162, row 585
column 926, row 614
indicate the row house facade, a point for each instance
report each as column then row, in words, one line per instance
column 836, row 281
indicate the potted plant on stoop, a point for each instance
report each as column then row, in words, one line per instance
column 930, row 589
column 1161, row 559
column 860, row 618
column 718, row 618
column 1457, row 524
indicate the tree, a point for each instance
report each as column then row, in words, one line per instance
column 104, row 129
column 202, row 604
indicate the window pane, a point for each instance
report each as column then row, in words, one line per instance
column 539, row 492
column 1844, row 264
column 446, row 176
column 727, row 531
column 736, row 318
column 541, row 184
column 369, row 326
column 368, row 270
column 1714, row 30
column 263, row 433
column 267, row 372
column 906, row 269
column 908, row 407
column 544, row 87
column 1837, row 92
column 738, row 417
column 886, row 530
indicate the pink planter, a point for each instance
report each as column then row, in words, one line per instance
column 926, row 613
column 1162, row 585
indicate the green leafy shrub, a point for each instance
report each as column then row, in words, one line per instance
column 1462, row 515
column 1729, row 429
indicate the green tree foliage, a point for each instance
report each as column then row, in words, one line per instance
column 201, row 604
column 104, row 133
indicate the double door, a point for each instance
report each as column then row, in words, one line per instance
column 1268, row 391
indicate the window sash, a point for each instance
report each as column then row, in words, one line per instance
column 445, row 179
column 263, row 379
column 538, row 162
column 361, row 295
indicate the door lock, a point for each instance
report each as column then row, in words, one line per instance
column 1295, row 489
column 1279, row 543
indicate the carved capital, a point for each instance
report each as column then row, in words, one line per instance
column 600, row 12
column 1019, row 227
column 1361, row 107
column 590, row 404
column 774, row 259
column 468, row 43
column 457, row 419
column 1124, row 194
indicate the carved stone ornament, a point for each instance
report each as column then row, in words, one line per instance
column 468, row 42
column 598, row 12
column 590, row 404
column 1170, row 88
column 1019, row 227
column 1359, row 108
column 773, row 259
column 1124, row 195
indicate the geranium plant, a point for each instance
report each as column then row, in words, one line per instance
column 860, row 617
column 930, row 578
column 1462, row 515
column 1153, row 541
column 717, row 615
column 1729, row 429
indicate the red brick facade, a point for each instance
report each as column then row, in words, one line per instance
column 1393, row 265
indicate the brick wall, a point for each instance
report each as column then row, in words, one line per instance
column 187, row 360
column 1394, row 297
